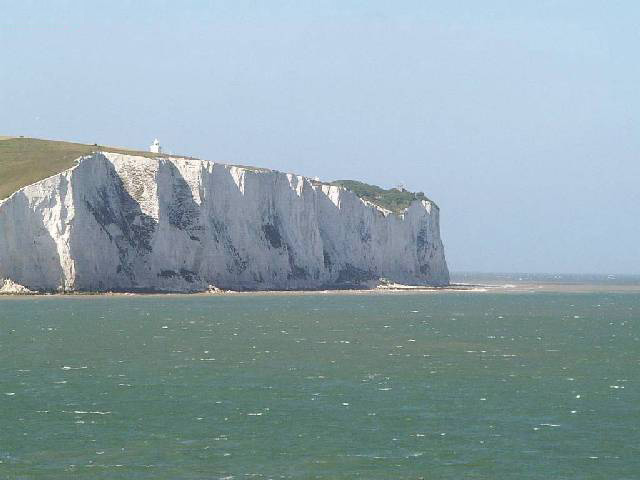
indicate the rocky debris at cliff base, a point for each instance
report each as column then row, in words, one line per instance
column 216, row 290
column 400, row 286
column 9, row 287
column 386, row 284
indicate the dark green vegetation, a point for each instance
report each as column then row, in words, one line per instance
column 24, row 161
column 377, row 387
column 393, row 199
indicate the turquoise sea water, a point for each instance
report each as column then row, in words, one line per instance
column 434, row 386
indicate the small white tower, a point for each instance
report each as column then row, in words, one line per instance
column 155, row 147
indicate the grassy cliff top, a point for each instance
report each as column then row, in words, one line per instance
column 393, row 199
column 24, row 161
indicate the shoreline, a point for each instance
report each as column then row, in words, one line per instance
column 540, row 287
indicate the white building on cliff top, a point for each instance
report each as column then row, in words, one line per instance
column 155, row 147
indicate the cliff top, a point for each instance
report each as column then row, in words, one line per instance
column 393, row 199
column 24, row 161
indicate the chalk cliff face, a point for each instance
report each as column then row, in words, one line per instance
column 125, row 223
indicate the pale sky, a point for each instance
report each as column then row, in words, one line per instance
column 521, row 119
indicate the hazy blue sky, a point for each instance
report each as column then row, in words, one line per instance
column 519, row 118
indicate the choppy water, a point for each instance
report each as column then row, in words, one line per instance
column 440, row 386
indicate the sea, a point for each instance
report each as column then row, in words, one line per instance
column 480, row 384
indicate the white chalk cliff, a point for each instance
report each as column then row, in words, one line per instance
column 126, row 223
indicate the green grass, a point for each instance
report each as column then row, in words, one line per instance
column 24, row 161
column 395, row 200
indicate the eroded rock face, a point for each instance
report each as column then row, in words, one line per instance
column 118, row 222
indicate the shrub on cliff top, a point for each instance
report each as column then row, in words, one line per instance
column 393, row 199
